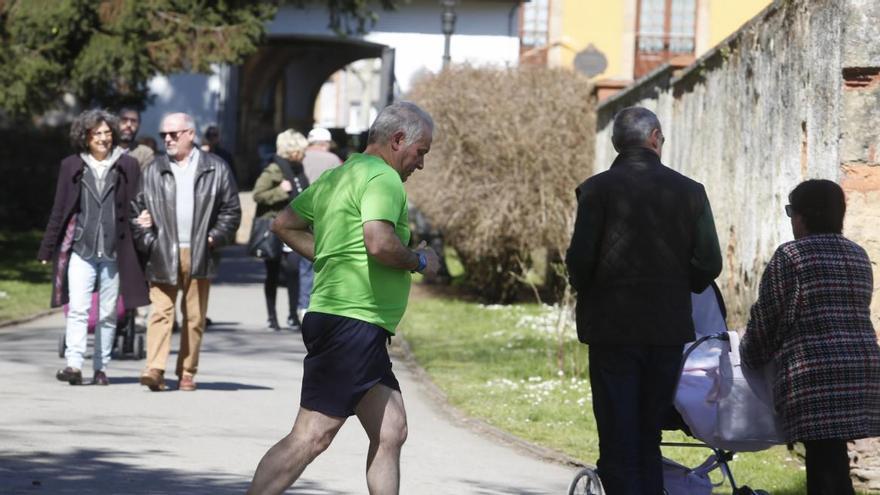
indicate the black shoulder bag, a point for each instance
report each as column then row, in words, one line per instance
column 262, row 243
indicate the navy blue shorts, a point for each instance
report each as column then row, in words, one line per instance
column 346, row 358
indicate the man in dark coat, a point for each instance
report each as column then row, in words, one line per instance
column 187, row 210
column 644, row 238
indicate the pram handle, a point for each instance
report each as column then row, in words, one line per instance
column 723, row 336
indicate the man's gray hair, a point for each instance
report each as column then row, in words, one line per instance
column 632, row 127
column 400, row 116
column 188, row 120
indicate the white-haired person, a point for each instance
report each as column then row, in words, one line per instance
column 279, row 183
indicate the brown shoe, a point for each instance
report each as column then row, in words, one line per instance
column 186, row 384
column 100, row 378
column 70, row 375
column 154, row 379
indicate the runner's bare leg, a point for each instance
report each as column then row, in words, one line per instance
column 286, row 460
column 383, row 417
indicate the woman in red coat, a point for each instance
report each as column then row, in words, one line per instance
column 813, row 319
column 88, row 238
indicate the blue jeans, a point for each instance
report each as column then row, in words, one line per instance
column 306, row 279
column 81, row 277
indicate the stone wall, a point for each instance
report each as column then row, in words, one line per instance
column 793, row 95
column 760, row 113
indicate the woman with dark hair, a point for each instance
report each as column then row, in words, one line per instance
column 281, row 181
column 813, row 321
column 88, row 238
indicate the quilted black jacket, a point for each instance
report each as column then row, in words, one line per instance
column 644, row 238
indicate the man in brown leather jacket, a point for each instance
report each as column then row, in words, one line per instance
column 188, row 209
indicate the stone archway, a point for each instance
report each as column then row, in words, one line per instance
column 278, row 86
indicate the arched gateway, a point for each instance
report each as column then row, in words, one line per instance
column 279, row 84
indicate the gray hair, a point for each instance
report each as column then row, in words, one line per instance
column 87, row 121
column 400, row 116
column 632, row 127
column 289, row 142
column 188, row 121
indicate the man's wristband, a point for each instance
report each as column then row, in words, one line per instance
column 423, row 262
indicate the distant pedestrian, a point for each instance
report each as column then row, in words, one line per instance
column 362, row 267
column 644, row 239
column 318, row 159
column 129, row 124
column 188, row 208
column 149, row 143
column 212, row 145
column 279, row 183
column 812, row 320
column 89, row 239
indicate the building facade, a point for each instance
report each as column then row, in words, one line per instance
column 278, row 87
column 618, row 41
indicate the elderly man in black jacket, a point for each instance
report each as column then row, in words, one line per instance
column 188, row 209
column 644, row 238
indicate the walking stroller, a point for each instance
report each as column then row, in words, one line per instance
column 698, row 414
column 126, row 343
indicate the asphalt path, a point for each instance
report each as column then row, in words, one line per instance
column 122, row 439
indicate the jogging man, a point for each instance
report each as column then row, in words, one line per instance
column 358, row 213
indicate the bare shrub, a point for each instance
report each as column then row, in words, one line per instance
column 510, row 146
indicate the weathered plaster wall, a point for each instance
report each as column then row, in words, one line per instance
column 795, row 94
column 860, row 167
column 750, row 120
column 860, row 132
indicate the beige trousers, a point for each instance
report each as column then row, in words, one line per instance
column 194, row 308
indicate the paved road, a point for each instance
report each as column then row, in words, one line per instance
column 122, row 439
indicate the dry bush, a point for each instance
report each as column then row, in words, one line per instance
column 510, row 146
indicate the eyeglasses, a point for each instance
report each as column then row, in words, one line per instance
column 174, row 135
column 789, row 211
column 100, row 134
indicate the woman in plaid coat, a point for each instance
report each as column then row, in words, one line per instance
column 812, row 319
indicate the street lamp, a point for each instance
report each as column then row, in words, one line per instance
column 448, row 28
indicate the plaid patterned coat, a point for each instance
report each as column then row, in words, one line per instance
column 812, row 318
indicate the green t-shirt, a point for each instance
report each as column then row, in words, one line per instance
column 348, row 282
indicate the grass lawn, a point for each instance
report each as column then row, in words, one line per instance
column 500, row 364
column 24, row 283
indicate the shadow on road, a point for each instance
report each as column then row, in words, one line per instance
column 87, row 472
column 489, row 488
column 237, row 268
column 172, row 384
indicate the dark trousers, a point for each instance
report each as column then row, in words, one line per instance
column 828, row 468
column 633, row 388
column 289, row 262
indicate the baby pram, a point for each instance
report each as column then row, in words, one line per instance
column 695, row 416
column 128, row 342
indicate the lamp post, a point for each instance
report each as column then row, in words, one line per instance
column 448, row 18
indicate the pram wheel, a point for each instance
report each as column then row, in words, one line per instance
column 586, row 482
